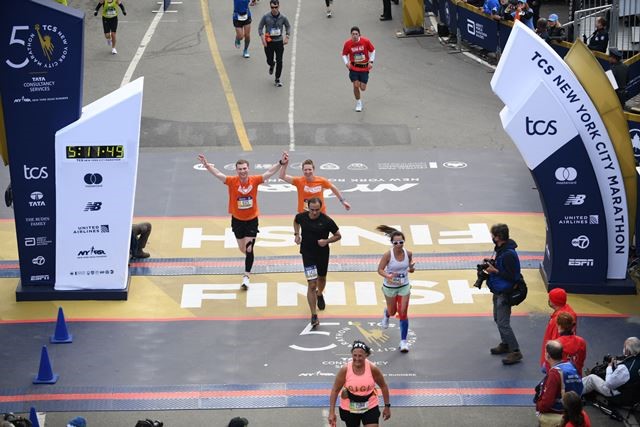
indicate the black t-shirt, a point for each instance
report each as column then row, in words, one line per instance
column 314, row 230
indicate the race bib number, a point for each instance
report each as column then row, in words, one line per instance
column 359, row 58
column 311, row 272
column 398, row 279
column 275, row 32
column 243, row 17
column 245, row 203
column 111, row 12
column 358, row 407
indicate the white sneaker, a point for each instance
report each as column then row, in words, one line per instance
column 359, row 105
column 108, row 42
column 245, row 283
column 114, row 51
column 404, row 347
column 328, row 14
column 385, row 320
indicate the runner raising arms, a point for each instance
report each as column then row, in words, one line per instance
column 243, row 205
column 110, row 20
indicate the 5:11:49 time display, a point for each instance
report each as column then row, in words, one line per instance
column 95, row 152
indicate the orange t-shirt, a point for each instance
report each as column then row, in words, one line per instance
column 308, row 190
column 243, row 199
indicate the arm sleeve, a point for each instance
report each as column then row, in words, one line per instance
column 98, row 7
column 372, row 56
column 345, row 58
column 617, row 378
column 122, row 7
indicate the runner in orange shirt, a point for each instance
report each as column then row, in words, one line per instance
column 310, row 185
column 243, row 205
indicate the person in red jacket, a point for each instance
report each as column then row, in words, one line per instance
column 557, row 301
column 574, row 348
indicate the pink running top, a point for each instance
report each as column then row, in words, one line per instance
column 360, row 385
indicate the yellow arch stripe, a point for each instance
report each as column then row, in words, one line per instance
column 224, row 79
column 592, row 77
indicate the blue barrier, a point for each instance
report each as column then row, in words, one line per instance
column 478, row 28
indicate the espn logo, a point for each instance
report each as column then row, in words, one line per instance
column 581, row 262
column 575, row 199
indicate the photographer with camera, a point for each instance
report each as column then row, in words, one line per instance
column 622, row 376
column 503, row 273
column 561, row 378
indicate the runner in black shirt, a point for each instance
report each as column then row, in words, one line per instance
column 314, row 247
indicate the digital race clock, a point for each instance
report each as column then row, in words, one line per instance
column 95, row 152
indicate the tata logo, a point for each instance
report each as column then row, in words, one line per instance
column 93, row 206
column 580, row 262
column 36, row 199
column 581, row 242
column 541, row 127
column 93, row 179
column 566, row 175
column 575, row 199
column 35, row 173
column 39, row 260
column 92, row 253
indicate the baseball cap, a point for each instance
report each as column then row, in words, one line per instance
column 238, row 422
column 77, row 422
column 615, row 52
column 553, row 17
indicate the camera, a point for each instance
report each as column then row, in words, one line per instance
column 609, row 358
column 16, row 420
column 149, row 423
column 482, row 275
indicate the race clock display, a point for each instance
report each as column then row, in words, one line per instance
column 94, row 151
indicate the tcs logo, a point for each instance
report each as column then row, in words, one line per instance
column 35, row 173
column 541, row 127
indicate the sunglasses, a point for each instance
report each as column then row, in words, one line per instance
column 398, row 242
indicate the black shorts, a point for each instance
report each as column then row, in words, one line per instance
column 321, row 261
column 353, row 420
column 242, row 229
column 110, row 25
column 240, row 24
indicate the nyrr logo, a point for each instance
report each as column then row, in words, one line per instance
column 93, row 179
column 92, row 253
column 580, row 262
column 93, row 206
column 581, row 242
column 566, row 175
column 35, row 173
column 575, row 199
column 540, row 127
column 36, row 199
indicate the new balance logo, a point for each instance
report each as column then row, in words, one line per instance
column 575, row 199
column 93, row 206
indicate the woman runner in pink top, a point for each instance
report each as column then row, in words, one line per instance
column 356, row 384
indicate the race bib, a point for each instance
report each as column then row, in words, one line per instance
column 275, row 32
column 359, row 58
column 245, row 202
column 398, row 279
column 358, row 407
column 111, row 12
column 243, row 17
column 311, row 272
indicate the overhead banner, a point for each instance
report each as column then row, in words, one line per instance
column 41, row 57
column 563, row 140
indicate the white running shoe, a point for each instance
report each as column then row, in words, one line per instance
column 108, row 42
column 404, row 347
column 328, row 14
column 114, row 51
column 245, row 283
column 359, row 105
column 385, row 319
column 245, row 54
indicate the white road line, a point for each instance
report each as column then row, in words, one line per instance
column 292, row 80
column 143, row 45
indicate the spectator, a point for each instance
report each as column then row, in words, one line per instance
column 574, row 348
column 498, row 14
column 599, row 40
column 557, row 301
column 561, row 378
column 238, row 422
column 520, row 11
column 490, row 7
column 574, row 415
column 556, row 31
column 620, row 72
column 77, row 422
column 622, row 379
column 139, row 235
column 542, row 29
column 535, row 6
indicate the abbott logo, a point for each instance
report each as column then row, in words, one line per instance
column 93, row 179
column 575, row 199
column 581, row 242
column 541, row 127
column 35, row 173
column 580, row 262
column 471, row 27
column 93, row 206
column 39, row 260
column 566, row 174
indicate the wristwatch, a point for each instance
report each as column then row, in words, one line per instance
column 387, row 405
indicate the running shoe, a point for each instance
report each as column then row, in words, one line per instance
column 278, row 83
column 114, row 51
column 404, row 347
column 385, row 319
column 359, row 105
column 314, row 320
column 271, row 69
column 237, row 43
column 245, row 283
column 321, row 304
column 328, row 14
column 245, row 54
column 108, row 42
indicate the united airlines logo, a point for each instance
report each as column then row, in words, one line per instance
column 575, row 199
column 93, row 206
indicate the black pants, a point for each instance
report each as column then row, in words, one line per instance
column 386, row 8
column 277, row 48
column 139, row 235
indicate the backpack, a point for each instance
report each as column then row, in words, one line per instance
column 518, row 293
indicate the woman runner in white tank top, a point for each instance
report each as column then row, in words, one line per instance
column 394, row 267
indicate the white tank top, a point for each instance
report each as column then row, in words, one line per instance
column 401, row 268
